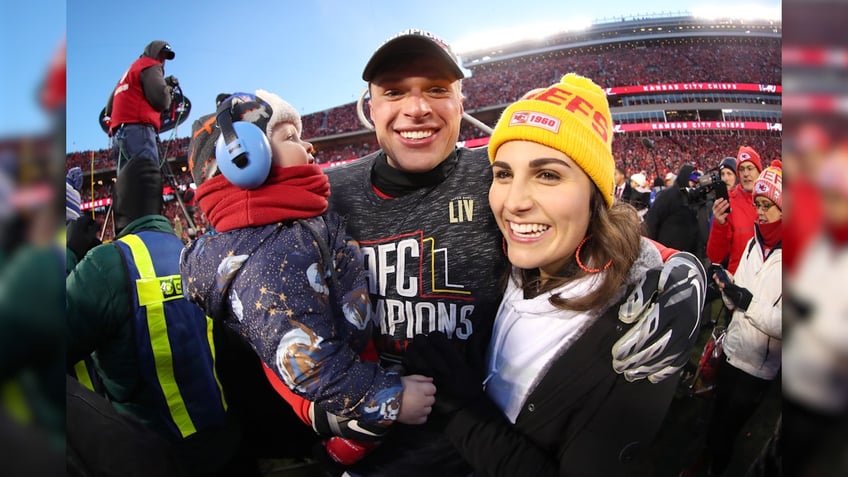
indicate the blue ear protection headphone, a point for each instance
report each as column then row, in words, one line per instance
column 242, row 150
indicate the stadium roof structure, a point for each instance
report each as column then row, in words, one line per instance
column 621, row 30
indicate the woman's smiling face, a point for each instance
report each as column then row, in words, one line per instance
column 541, row 200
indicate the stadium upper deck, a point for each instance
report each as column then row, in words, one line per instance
column 627, row 30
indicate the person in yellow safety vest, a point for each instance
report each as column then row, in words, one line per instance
column 153, row 349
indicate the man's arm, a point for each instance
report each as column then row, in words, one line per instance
column 156, row 90
column 30, row 308
column 719, row 241
column 721, row 232
column 109, row 102
column 94, row 292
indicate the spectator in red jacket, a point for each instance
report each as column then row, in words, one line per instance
column 733, row 220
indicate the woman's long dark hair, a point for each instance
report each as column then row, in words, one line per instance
column 615, row 236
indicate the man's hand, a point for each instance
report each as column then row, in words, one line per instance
column 665, row 309
column 81, row 235
column 721, row 209
column 172, row 81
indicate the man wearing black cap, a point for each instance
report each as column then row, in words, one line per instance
column 136, row 103
column 419, row 209
column 433, row 253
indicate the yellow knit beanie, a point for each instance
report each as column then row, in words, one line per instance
column 571, row 116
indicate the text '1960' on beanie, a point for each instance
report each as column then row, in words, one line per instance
column 571, row 116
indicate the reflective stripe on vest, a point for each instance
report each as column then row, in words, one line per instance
column 152, row 293
column 81, row 373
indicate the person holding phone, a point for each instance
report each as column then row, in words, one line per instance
column 753, row 342
column 733, row 219
column 718, row 273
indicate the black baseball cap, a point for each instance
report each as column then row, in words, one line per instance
column 158, row 48
column 408, row 43
column 168, row 52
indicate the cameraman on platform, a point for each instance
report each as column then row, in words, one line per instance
column 733, row 220
column 134, row 108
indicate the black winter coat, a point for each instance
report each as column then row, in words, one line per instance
column 573, row 423
column 670, row 221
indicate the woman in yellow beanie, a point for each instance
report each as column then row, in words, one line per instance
column 562, row 395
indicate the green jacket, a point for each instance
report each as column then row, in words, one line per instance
column 98, row 314
column 31, row 337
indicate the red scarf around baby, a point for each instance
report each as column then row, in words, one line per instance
column 290, row 193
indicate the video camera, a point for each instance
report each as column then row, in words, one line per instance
column 710, row 186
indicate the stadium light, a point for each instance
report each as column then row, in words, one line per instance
column 745, row 11
column 494, row 38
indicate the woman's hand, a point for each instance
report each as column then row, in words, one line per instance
column 665, row 310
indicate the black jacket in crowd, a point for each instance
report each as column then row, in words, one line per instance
column 670, row 221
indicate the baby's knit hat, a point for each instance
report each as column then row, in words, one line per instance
column 748, row 154
column 571, row 116
column 770, row 184
column 264, row 109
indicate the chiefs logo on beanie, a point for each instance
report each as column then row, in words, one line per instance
column 748, row 154
column 770, row 184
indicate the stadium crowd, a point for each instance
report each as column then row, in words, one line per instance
column 696, row 61
column 502, row 82
column 668, row 153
